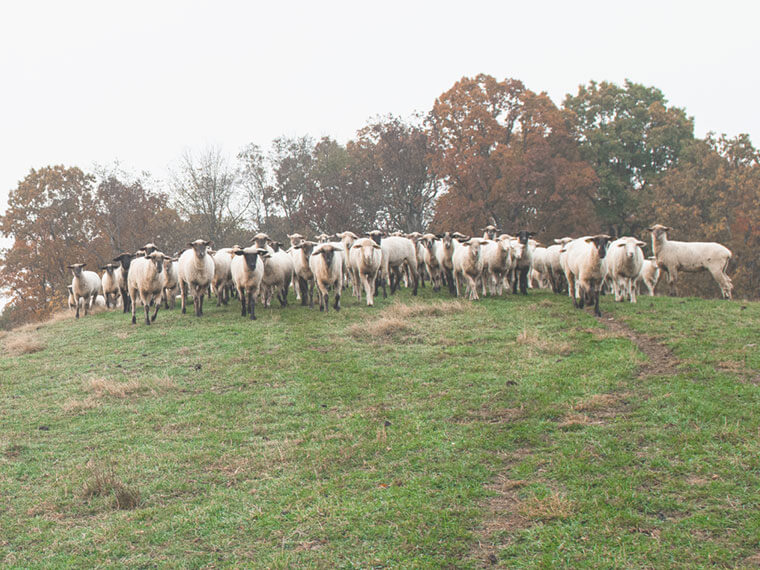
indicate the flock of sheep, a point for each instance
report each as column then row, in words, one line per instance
column 464, row 264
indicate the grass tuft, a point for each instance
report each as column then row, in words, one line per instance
column 103, row 482
column 19, row 343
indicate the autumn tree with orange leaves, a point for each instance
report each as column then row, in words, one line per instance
column 506, row 155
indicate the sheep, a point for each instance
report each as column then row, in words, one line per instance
column 295, row 239
column 247, row 270
column 497, row 261
column 146, row 282
column 427, row 245
column 675, row 256
column 347, row 239
column 278, row 273
column 444, row 252
column 585, row 269
column 171, row 281
column 540, row 268
column 398, row 251
column 71, row 299
column 110, row 281
column 648, row 275
column 124, row 259
column 195, row 270
column 490, row 232
column 261, row 240
column 222, row 280
column 623, row 264
column 554, row 264
column 468, row 265
column 322, row 238
column 365, row 259
column 328, row 272
column 302, row 275
column 523, row 259
column 85, row 286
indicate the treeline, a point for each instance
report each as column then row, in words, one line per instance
column 611, row 158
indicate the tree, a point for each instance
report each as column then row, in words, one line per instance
column 207, row 196
column 507, row 156
column 630, row 136
column 290, row 160
column 51, row 218
column 393, row 157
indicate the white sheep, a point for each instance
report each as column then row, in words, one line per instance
column 397, row 252
column 468, row 265
column 146, row 283
column 623, row 264
column 347, row 239
column 327, row 268
column 675, row 256
column 195, row 271
column 648, row 275
column 85, row 286
column 110, row 282
column 171, row 281
column 554, row 263
column 444, row 252
column 365, row 258
column 497, row 261
column 71, row 299
column 585, row 269
column 247, row 269
column 427, row 246
column 302, row 275
column 222, row 280
column 278, row 273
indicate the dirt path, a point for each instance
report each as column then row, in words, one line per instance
column 503, row 509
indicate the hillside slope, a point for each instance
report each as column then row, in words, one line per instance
column 424, row 432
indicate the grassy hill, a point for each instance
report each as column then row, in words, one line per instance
column 428, row 432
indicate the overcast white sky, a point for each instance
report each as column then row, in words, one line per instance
column 91, row 82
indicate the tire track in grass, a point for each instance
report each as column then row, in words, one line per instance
column 505, row 512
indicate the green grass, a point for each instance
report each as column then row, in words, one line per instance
column 514, row 431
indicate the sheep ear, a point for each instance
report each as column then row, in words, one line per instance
column 619, row 245
column 337, row 249
column 640, row 244
column 237, row 252
column 589, row 239
column 650, row 229
column 376, row 246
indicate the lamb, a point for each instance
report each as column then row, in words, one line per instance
column 554, row 263
column 468, row 264
column 328, row 272
column 121, row 276
column 497, row 261
column 110, row 281
column 171, row 281
column 278, row 273
column 195, row 271
column 222, row 280
column 85, row 286
column 623, row 264
column 303, row 277
column 675, row 256
column 146, row 282
column 247, row 270
column 366, row 258
column 585, row 269
column 649, row 275
column 540, row 268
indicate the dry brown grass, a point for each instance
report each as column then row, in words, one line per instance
column 395, row 322
column 533, row 340
column 103, row 482
column 101, row 388
column 553, row 506
column 18, row 343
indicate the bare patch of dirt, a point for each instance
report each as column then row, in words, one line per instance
column 661, row 361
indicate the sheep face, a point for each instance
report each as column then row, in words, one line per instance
column 158, row 260
column 600, row 242
column 523, row 236
column 376, row 236
column 322, row 238
column 252, row 255
column 124, row 259
column 76, row 268
column 328, row 252
column 260, row 240
column 491, row 231
column 295, row 239
column 659, row 230
column 630, row 247
column 109, row 267
column 150, row 248
column 199, row 246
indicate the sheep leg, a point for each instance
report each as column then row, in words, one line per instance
column 155, row 313
column 326, row 300
column 241, row 294
column 337, row 300
column 415, row 276
column 146, row 306
column 134, row 316
column 183, row 293
column 77, row 301
column 252, row 305
column 473, row 285
column 524, row 280
column 301, row 290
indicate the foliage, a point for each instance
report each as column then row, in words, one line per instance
column 507, row 156
column 630, row 136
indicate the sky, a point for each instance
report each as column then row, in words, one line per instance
column 85, row 83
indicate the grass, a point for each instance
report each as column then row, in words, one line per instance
column 427, row 432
